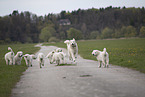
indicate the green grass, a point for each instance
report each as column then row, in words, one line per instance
column 123, row 52
column 10, row 74
column 66, row 65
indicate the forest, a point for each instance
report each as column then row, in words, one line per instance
column 103, row 23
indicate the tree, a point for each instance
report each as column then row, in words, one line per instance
column 142, row 31
column 74, row 33
column 94, row 35
column 46, row 33
column 107, row 33
column 84, row 30
column 130, row 31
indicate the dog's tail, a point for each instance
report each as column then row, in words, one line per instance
column 104, row 50
column 9, row 48
column 12, row 53
column 67, row 42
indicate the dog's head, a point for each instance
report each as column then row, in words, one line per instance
column 50, row 55
column 20, row 54
column 33, row 56
column 73, row 43
column 95, row 52
column 58, row 50
column 26, row 55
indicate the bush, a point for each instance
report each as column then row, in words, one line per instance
column 94, row 35
column 142, row 32
column 74, row 33
column 53, row 39
column 107, row 33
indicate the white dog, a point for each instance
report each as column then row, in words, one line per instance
column 9, row 57
column 58, row 57
column 28, row 59
column 50, row 55
column 102, row 57
column 41, row 59
column 72, row 48
column 18, row 58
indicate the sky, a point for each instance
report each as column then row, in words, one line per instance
column 43, row 7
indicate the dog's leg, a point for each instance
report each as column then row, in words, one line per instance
column 99, row 64
column 10, row 62
column 40, row 65
column 43, row 62
column 30, row 62
column 103, row 63
column 107, row 63
column 6, row 61
column 73, row 57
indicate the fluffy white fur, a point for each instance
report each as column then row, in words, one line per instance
column 28, row 59
column 58, row 50
column 18, row 58
column 58, row 57
column 72, row 48
column 9, row 57
column 50, row 55
column 41, row 59
column 102, row 57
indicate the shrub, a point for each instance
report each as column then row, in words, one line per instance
column 53, row 39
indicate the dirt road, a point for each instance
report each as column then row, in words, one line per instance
column 83, row 80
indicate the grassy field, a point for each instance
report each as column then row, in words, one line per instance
column 10, row 74
column 123, row 52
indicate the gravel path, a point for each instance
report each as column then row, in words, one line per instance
column 82, row 80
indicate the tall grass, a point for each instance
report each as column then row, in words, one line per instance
column 10, row 74
column 123, row 52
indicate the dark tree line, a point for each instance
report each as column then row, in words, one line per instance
column 93, row 23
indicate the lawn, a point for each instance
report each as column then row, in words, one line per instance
column 123, row 52
column 10, row 74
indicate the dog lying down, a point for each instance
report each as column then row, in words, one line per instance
column 102, row 57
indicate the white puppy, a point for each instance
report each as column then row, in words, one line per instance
column 58, row 57
column 50, row 55
column 72, row 48
column 102, row 57
column 18, row 58
column 28, row 59
column 9, row 57
column 41, row 59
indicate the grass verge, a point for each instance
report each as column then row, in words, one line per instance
column 10, row 74
column 123, row 52
column 66, row 65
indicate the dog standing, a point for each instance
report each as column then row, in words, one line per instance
column 102, row 57
column 50, row 55
column 41, row 59
column 9, row 57
column 18, row 58
column 28, row 59
column 72, row 48
column 58, row 57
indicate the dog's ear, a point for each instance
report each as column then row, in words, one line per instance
column 73, row 39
